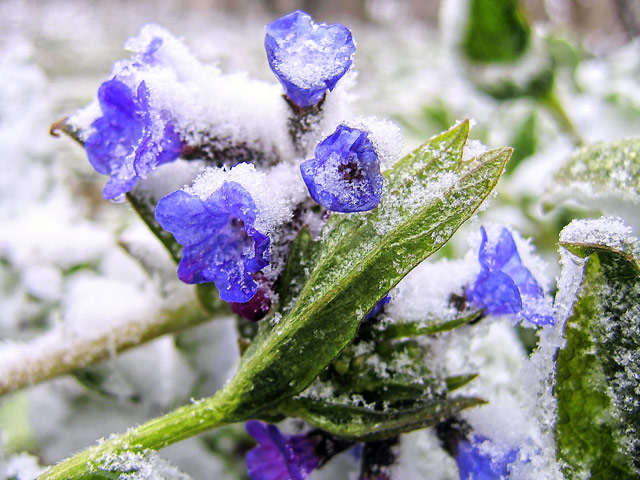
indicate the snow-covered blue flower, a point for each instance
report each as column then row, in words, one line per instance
column 129, row 139
column 278, row 456
column 308, row 58
column 220, row 243
column 345, row 174
column 504, row 285
column 476, row 464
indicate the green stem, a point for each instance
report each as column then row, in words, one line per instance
column 552, row 103
column 145, row 208
column 55, row 354
column 182, row 423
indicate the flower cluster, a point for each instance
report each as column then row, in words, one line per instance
column 504, row 286
column 308, row 58
column 231, row 227
column 129, row 139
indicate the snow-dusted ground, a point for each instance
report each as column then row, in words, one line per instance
column 63, row 268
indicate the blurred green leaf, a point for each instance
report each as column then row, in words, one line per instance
column 539, row 86
column 524, row 141
column 598, row 371
column 496, row 31
column 605, row 169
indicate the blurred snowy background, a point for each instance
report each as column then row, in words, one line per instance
column 70, row 259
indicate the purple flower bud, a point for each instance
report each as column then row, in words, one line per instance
column 220, row 243
column 308, row 58
column 259, row 305
column 345, row 174
column 504, row 285
column 129, row 140
column 278, row 456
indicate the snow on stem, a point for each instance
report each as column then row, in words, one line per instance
column 56, row 353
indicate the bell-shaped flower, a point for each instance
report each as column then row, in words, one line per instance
column 504, row 286
column 308, row 58
column 129, row 140
column 220, row 242
column 345, row 174
column 278, row 456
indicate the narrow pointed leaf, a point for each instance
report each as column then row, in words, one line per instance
column 429, row 194
column 366, row 424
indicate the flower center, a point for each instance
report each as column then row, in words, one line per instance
column 351, row 171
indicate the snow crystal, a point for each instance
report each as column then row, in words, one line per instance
column 385, row 136
column 20, row 467
column 472, row 149
column 141, row 466
column 273, row 192
column 606, row 231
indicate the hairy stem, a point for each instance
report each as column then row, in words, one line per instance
column 58, row 352
column 177, row 425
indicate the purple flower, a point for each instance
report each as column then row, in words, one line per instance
column 308, row 58
column 129, row 140
column 278, row 456
column 345, row 174
column 504, row 285
column 378, row 307
column 220, row 243
column 474, row 464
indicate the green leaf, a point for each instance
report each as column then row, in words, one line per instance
column 414, row 329
column 539, row 86
column 598, row 371
column 496, row 31
column 601, row 174
column 145, row 207
column 524, row 141
column 360, row 257
column 365, row 424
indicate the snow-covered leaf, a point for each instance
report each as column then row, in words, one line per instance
column 598, row 371
column 603, row 176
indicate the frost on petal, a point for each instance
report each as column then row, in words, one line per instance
column 278, row 456
column 475, row 463
column 308, row 58
column 128, row 140
column 504, row 285
column 220, row 243
column 345, row 174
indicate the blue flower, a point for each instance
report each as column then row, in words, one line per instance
column 378, row 307
column 345, row 174
column 307, row 58
column 474, row 464
column 278, row 456
column 129, row 140
column 220, row 243
column 504, row 285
